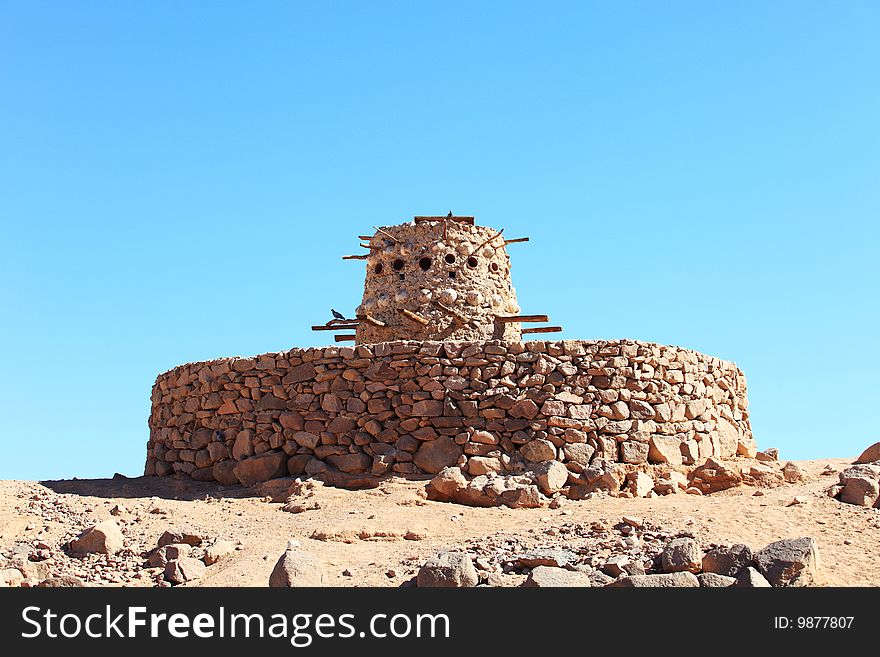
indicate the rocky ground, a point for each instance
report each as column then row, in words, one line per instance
column 156, row 531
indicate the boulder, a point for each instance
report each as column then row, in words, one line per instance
column 550, row 577
column 262, row 467
column 728, row 560
column 446, row 483
column 665, row 580
column 639, row 483
column 551, row 476
column 680, row 555
column 162, row 555
column 751, row 578
column 434, row 455
column 714, row 476
column 10, row 577
column 61, row 581
column 870, row 455
column 448, row 569
column 554, row 558
column 182, row 534
column 184, row 569
column 217, row 551
column 714, row 580
column 102, row 538
column 523, row 496
column 860, row 491
column 296, row 569
column 793, row 473
column 790, row 562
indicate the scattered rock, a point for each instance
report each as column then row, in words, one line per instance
column 547, row 557
column 640, row 483
column 664, row 580
column 162, row 555
column 728, row 560
column 793, row 473
column 751, row 578
column 448, row 569
column 296, row 569
column 682, row 554
column 860, row 491
column 184, row 534
column 551, row 476
column 714, row 580
column 217, row 551
column 789, row 562
column 102, row 538
column 550, row 577
column 184, row 569
column 714, row 476
column 62, row 581
column 10, row 577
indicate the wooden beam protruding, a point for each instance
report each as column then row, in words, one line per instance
column 543, row 329
column 365, row 237
column 370, row 320
column 387, row 234
column 458, row 316
column 523, row 318
column 414, row 316
column 517, row 240
column 498, row 234
column 355, row 257
column 335, row 327
column 348, row 337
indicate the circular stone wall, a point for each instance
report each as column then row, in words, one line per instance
column 416, row 407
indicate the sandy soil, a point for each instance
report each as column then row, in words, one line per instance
column 364, row 530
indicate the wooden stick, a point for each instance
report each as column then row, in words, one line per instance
column 355, row 257
column 523, row 318
column 335, row 327
column 413, row 316
column 543, row 329
column 518, row 239
column 365, row 237
column 487, row 241
column 366, row 246
column 348, row 337
column 387, row 234
column 458, row 316
column 372, row 320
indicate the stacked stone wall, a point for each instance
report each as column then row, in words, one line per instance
column 413, row 408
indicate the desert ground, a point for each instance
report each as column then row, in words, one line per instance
column 380, row 536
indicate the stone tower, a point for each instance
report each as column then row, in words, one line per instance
column 438, row 278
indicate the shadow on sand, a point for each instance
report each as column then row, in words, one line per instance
column 174, row 487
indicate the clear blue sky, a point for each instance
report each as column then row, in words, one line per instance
column 178, row 182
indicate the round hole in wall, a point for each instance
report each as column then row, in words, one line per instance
column 452, row 274
column 425, row 263
column 450, row 258
column 493, row 266
column 378, row 268
column 397, row 265
column 472, row 262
